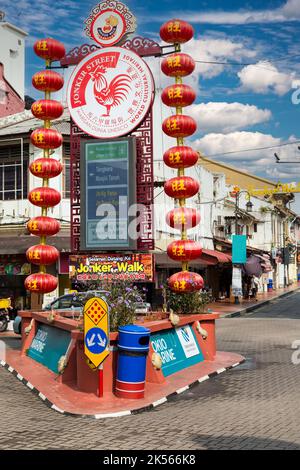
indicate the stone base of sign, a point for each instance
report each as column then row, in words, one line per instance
column 75, row 390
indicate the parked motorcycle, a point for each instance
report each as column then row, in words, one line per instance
column 5, row 308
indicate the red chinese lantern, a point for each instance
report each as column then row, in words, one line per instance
column 181, row 187
column 178, row 95
column 179, row 125
column 180, row 157
column 47, row 81
column 43, row 226
column 49, row 49
column 183, row 218
column 178, row 65
column 46, row 138
column 42, row 254
column 46, row 168
column 41, row 283
column 47, row 109
column 44, row 197
column 185, row 282
column 176, row 31
column 184, row 250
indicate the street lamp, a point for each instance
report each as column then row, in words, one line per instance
column 280, row 161
column 249, row 206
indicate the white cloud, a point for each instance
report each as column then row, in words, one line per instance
column 264, row 77
column 209, row 49
column 290, row 11
column 217, row 144
column 227, row 117
column 231, row 148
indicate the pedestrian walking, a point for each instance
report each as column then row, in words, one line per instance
column 254, row 286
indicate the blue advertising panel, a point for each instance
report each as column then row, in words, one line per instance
column 178, row 349
column 239, row 249
column 108, row 189
column 48, row 345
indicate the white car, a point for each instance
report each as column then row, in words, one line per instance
column 142, row 308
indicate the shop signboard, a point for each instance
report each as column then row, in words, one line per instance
column 112, row 267
column 178, row 349
column 14, row 269
column 108, row 190
column 96, row 330
column 237, row 282
column 48, row 345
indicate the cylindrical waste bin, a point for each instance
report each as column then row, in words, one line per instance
column 270, row 285
column 133, row 345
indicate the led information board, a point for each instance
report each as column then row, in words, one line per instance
column 108, row 189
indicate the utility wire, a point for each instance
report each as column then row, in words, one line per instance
column 254, row 149
column 237, row 64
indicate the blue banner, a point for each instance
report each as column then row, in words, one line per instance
column 48, row 345
column 178, row 349
column 239, row 249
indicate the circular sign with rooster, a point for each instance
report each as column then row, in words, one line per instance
column 110, row 92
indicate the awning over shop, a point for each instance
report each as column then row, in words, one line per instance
column 208, row 258
column 220, row 257
column 19, row 244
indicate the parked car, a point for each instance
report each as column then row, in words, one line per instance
column 142, row 308
column 68, row 302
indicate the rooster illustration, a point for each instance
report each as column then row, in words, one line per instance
column 112, row 94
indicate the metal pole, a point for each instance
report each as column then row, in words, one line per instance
column 236, row 298
column 236, row 212
column 100, row 383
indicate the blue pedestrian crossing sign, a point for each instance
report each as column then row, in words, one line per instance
column 96, row 330
column 96, row 340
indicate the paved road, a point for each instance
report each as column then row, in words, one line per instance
column 255, row 406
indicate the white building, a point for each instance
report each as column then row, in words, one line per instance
column 12, row 54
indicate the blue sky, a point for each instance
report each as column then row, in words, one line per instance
column 244, row 104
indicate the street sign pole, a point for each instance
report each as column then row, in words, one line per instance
column 96, row 335
column 100, row 384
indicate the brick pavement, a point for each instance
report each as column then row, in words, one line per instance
column 255, row 406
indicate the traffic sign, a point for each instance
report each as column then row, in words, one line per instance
column 96, row 330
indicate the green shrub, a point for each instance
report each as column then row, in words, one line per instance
column 194, row 302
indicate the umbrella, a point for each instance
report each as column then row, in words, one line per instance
column 253, row 266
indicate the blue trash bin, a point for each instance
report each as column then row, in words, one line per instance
column 270, row 285
column 133, row 345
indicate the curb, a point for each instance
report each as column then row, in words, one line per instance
column 149, row 407
column 244, row 311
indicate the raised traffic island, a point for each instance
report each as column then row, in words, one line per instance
column 181, row 352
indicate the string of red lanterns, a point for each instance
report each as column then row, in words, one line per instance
column 180, row 126
column 45, row 138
